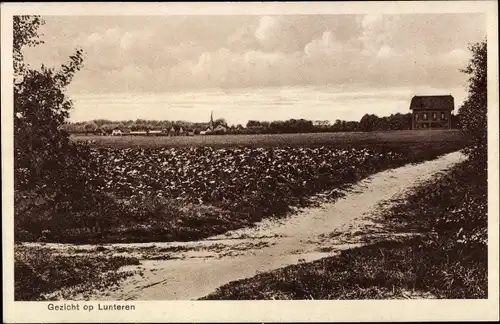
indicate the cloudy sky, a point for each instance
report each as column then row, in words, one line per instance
column 134, row 56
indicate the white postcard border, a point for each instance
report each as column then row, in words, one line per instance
column 252, row 311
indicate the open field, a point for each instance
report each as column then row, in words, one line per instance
column 276, row 140
column 188, row 193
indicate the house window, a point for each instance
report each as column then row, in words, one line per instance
column 425, row 116
column 434, row 116
column 443, row 116
column 416, row 116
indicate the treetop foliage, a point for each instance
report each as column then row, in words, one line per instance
column 25, row 33
column 475, row 108
column 41, row 107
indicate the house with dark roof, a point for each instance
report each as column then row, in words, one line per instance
column 431, row 112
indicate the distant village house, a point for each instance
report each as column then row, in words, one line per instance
column 155, row 132
column 431, row 112
column 184, row 129
column 138, row 133
column 101, row 132
column 321, row 123
column 172, row 131
column 213, row 128
column 220, row 129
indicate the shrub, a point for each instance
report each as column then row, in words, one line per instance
column 473, row 113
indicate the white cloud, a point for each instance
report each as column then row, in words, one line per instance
column 266, row 26
column 132, row 72
column 94, row 37
column 459, row 54
column 112, row 34
column 326, row 45
column 259, row 57
column 127, row 40
column 371, row 20
column 386, row 51
column 197, row 52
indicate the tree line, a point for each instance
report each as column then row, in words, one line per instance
column 107, row 126
column 369, row 122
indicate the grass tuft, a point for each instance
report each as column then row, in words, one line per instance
column 39, row 272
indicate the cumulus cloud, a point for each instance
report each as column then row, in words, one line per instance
column 325, row 45
column 166, row 53
column 265, row 28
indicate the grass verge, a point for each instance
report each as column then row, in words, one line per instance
column 448, row 261
column 39, row 272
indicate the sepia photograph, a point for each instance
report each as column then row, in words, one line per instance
column 280, row 156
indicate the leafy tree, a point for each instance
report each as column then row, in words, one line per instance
column 253, row 123
column 40, row 109
column 277, row 126
column 322, row 123
column 101, row 122
column 368, row 123
column 220, row 121
column 264, row 124
column 55, row 179
column 473, row 112
column 25, row 33
column 91, row 127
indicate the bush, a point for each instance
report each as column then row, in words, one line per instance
column 473, row 113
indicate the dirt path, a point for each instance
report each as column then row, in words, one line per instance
column 191, row 270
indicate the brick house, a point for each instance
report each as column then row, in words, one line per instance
column 431, row 112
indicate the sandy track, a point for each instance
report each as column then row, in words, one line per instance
column 190, row 270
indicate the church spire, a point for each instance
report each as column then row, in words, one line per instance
column 211, row 125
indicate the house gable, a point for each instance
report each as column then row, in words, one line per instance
column 220, row 128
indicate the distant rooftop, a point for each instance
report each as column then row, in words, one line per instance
column 432, row 102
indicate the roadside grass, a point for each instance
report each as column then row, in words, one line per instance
column 39, row 272
column 145, row 219
column 448, row 261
